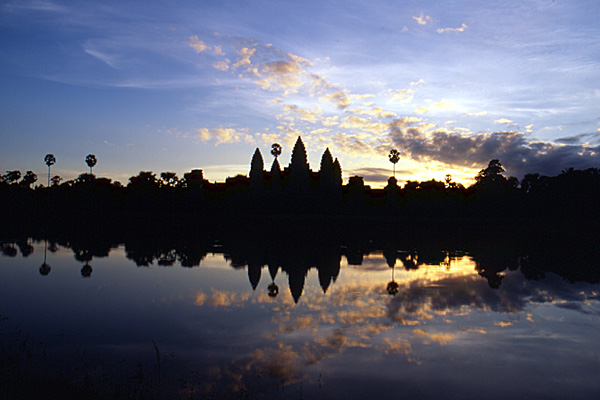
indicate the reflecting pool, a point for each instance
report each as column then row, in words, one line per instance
column 347, row 324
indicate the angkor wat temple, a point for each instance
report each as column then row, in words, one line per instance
column 297, row 188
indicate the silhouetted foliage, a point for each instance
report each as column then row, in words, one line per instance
column 28, row 179
column 10, row 177
column 394, row 157
column 55, row 180
column 91, row 161
column 564, row 203
column 49, row 159
column 275, row 150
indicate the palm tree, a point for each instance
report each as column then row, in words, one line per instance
column 91, row 161
column 49, row 160
column 394, row 158
column 275, row 150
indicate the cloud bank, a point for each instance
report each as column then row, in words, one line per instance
column 518, row 153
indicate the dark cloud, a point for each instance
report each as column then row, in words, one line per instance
column 577, row 139
column 376, row 174
column 518, row 154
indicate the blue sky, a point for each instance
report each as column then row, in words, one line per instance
column 200, row 84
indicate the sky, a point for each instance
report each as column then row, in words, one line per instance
column 181, row 85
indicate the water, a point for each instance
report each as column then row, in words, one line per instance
column 123, row 330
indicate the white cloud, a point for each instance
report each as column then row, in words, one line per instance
column 475, row 114
column 462, row 28
column 443, row 105
column 109, row 60
column 331, row 121
column 401, row 95
column 423, row 19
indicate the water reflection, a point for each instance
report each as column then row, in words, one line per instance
column 271, row 319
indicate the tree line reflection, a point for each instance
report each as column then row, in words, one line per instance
column 294, row 252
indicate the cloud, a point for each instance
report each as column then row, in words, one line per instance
column 218, row 50
column 274, row 71
column 503, row 121
column 475, row 114
column 376, row 112
column 423, row 19
column 282, row 363
column 47, row 6
column 583, row 137
column 462, row 28
column 245, row 54
column 441, row 338
column 339, row 99
column 221, row 65
column 375, row 174
column 220, row 298
column 305, row 115
column 397, row 346
column 401, row 95
column 109, row 60
column 518, row 154
column 351, row 143
column 404, row 122
column 197, row 44
column 279, row 75
column 203, row 134
column 331, row 121
column 364, row 124
column 443, row 105
column 224, row 135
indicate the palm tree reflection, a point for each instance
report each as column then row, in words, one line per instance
column 45, row 268
column 392, row 286
column 84, row 255
column 273, row 289
column 86, row 271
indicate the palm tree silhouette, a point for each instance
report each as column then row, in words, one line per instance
column 91, row 161
column 49, row 160
column 275, row 150
column 394, row 157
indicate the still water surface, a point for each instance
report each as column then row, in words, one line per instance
column 168, row 331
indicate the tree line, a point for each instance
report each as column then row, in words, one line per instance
column 568, row 200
